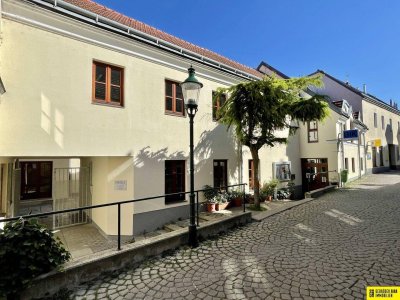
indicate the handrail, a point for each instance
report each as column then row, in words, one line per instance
column 118, row 204
column 108, row 204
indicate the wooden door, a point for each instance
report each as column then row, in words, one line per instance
column 315, row 173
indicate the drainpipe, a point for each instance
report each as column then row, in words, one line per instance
column 359, row 154
column 365, row 153
column 340, row 142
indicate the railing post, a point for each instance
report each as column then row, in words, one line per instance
column 244, row 198
column 119, row 226
column 197, row 212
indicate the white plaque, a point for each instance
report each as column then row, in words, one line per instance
column 120, row 185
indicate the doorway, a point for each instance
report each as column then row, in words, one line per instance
column 314, row 173
column 36, row 179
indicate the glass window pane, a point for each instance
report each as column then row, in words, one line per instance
column 116, row 76
column 168, row 103
column 168, row 88
column 115, row 94
column 179, row 105
column 101, row 73
column 100, row 92
column 179, row 92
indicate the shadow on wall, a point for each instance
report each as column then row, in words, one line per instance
column 149, row 167
column 218, row 143
column 149, row 170
column 389, row 134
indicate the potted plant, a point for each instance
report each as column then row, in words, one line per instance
column 222, row 201
column 210, row 194
column 268, row 189
column 236, row 198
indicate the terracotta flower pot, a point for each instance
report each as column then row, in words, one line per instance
column 211, row 207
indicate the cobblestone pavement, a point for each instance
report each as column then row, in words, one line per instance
column 332, row 247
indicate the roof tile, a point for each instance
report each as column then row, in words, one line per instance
column 125, row 20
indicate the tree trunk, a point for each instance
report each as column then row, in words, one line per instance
column 256, row 161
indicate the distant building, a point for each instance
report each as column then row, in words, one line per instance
column 382, row 120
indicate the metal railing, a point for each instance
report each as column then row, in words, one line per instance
column 119, row 204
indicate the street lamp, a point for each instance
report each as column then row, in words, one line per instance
column 191, row 91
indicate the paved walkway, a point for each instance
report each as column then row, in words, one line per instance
column 332, row 247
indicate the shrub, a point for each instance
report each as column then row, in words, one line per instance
column 28, row 249
column 209, row 192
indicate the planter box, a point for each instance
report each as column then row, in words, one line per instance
column 221, row 206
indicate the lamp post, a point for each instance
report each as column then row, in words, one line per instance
column 191, row 91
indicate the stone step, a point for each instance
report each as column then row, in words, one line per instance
column 172, row 227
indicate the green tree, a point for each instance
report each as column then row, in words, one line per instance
column 258, row 109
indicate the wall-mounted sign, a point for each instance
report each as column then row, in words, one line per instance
column 350, row 134
column 282, row 170
column 120, row 185
column 376, row 143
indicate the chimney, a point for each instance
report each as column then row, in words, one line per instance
column 364, row 88
column 391, row 103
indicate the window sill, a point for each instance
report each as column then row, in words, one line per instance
column 168, row 113
column 107, row 104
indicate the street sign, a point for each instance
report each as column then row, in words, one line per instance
column 350, row 134
column 377, row 143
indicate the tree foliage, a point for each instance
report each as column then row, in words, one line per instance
column 257, row 110
column 27, row 250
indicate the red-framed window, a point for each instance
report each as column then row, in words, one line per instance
column 174, row 98
column 107, row 84
column 312, row 129
column 251, row 174
column 217, row 102
column 174, row 180
column 220, row 173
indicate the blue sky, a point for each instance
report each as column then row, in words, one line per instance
column 358, row 41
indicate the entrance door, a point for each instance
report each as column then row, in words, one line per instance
column 315, row 173
column 36, row 179
column 220, row 173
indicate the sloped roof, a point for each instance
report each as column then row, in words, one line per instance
column 276, row 71
column 137, row 25
column 367, row 96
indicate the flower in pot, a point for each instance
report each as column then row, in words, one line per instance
column 222, row 201
column 236, row 198
column 210, row 194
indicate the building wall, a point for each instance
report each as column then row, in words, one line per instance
column 48, row 110
column 337, row 92
column 326, row 147
column 387, row 134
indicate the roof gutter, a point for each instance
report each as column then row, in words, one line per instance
column 95, row 19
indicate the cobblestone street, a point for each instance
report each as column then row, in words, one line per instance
column 332, row 247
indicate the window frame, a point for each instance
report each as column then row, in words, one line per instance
column 353, row 165
column 282, row 170
column 383, row 122
column 224, row 167
column 216, row 105
column 251, row 173
column 174, row 174
column 173, row 112
column 375, row 120
column 108, row 85
column 312, row 130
